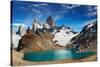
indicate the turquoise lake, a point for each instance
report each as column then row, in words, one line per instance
column 57, row 54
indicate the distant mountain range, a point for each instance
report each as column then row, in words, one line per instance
column 48, row 36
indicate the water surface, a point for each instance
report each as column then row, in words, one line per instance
column 57, row 54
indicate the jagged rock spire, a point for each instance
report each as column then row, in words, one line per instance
column 35, row 20
column 21, row 31
column 36, row 26
column 50, row 21
column 28, row 29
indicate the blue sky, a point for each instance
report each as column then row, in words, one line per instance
column 74, row 15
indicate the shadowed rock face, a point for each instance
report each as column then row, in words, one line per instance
column 21, row 31
column 35, row 42
column 28, row 29
column 50, row 21
column 87, row 39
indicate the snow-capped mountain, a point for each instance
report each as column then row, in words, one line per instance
column 63, row 36
column 16, row 36
column 21, row 31
column 87, row 37
column 47, row 26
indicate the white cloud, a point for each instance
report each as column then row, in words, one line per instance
column 37, row 5
column 57, row 17
column 18, row 24
column 22, row 7
column 36, row 10
column 70, row 6
column 92, row 14
column 91, row 8
column 92, row 11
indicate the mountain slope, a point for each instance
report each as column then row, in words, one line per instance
column 87, row 39
column 36, row 42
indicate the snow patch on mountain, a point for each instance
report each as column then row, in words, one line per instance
column 46, row 26
column 90, row 25
column 15, row 40
column 63, row 37
column 36, row 25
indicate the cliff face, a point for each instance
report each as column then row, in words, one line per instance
column 50, row 21
column 35, row 42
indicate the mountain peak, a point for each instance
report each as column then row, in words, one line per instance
column 36, row 26
column 50, row 21
column 35, row 20
column 87, row 37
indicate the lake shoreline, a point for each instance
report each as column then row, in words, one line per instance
column 18, row 61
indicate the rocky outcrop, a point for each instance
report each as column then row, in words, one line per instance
column 36, row 26
column 21, row 31
column 35, row 42
column 50, row 21
column 87, row 39
column 28, row 29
